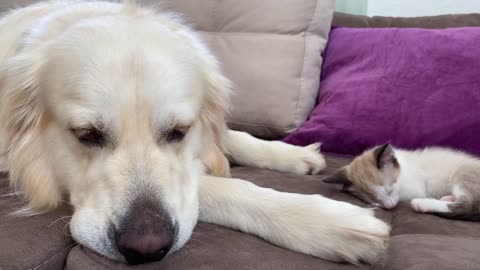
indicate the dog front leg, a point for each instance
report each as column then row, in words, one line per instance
column 310, row 224
column 244, row 149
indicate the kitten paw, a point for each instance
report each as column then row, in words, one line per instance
column 449, row 198
column 430, row 206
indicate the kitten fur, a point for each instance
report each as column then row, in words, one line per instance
column 440, row 181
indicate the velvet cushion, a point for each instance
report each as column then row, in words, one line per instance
column 411, row 87
column 434, row 22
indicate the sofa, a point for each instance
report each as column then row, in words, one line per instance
column 418, row 241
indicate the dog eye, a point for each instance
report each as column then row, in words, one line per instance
column 89, row 136
column 177, row 134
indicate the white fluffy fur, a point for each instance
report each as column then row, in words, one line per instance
column 430, row 205
column 427, row 175
column 246, row 150
column 135, row 73
column 429, row 172
column 311, row 224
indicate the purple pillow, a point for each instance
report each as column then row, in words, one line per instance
column 411, row 87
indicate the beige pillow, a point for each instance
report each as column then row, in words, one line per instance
column 271, row 50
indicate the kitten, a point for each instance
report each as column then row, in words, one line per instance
column 436, row 180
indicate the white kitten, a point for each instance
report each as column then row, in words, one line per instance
column 436, row 180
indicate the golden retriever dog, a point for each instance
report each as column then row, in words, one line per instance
column 120, row 110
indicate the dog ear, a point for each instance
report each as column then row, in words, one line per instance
column 22, row 122
column 213, row 119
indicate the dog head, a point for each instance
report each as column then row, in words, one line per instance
column 122, row 110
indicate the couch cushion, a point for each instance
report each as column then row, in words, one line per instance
column 37, row 242
column 441, row 21
column 417, row 88
column 420, row 252
column 216, row 247
column 213, row 247
column 406, row 221
column 419, row 241
column 271, row 50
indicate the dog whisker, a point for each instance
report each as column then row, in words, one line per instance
column 198, row 241
column 68, row 202
column 55, row 221
column 11, row 194
column 27, row 211
column 199, row 234
column 65, row 248
column 66, row 230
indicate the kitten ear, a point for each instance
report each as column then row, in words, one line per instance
column 385, row 156
column 340, row 177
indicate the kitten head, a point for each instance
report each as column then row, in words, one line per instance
column 372, row 177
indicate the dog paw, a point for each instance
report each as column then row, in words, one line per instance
column 343, row 232
column 306, row 160
column 363, row 238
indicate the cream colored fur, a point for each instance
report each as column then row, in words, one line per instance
column 436, row 173
column 246, row 150
column 311, row 224
column 435, row 180
column 135, row 74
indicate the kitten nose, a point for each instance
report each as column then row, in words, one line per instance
column 388, row 203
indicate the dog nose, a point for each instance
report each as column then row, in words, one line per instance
column 146, row 233
column 137, row 248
